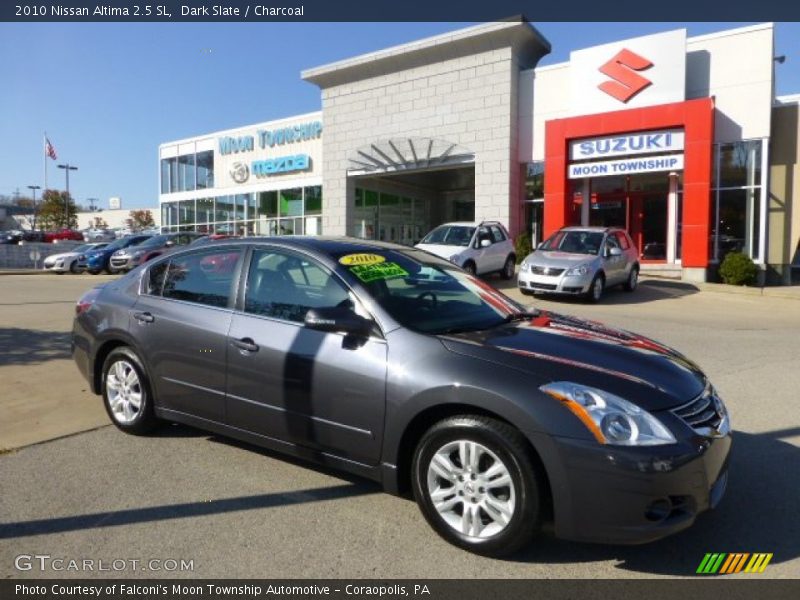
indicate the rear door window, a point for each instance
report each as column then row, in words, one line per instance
column 200, row 277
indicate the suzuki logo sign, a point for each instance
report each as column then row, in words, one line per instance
column 643, row 71
column 622, row 69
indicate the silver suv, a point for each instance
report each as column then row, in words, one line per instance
column 581, row 261
column 478, row 248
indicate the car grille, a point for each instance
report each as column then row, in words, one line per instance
column 536, row 270
column 705, row 414
column 542, row 286
column 118, row 262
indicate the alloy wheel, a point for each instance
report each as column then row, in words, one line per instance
column 124, row 392
column 471, row 489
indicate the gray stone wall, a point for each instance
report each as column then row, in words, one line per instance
column 470, row 101
column 14, row 256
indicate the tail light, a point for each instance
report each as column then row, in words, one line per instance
column 85, row 302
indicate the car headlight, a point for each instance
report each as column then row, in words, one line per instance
column 611, row 419
column 455, row 258
column 581, row 270
column 524, row 266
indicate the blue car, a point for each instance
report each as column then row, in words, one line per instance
column 98, row 260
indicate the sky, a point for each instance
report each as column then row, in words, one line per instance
column 108, row 94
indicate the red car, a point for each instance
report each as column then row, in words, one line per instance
column 62, row 234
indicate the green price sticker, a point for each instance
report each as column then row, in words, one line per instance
column 374, row 272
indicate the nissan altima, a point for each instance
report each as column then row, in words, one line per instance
column 496, row 418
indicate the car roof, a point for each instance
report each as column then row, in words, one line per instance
column 329, row 245
column 596, row 228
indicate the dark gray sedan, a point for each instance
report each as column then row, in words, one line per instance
column 338, row 351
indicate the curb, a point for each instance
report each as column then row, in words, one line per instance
column 785, row 292
column 25, row 272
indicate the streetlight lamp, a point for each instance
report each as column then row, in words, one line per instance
column 67, row 167
column 34, row 188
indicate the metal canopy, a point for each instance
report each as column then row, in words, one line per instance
column 406, row 154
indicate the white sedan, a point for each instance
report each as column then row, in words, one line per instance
column 68, row 261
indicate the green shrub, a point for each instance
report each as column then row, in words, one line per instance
column 522, row 246
column 738, row 269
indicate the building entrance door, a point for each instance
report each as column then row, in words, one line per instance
column 648, row 225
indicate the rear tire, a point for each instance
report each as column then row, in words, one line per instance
column 477, row 485
column 509, row 267
column 126, row 392
column 633, row 279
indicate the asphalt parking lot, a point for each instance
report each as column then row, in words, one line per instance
column 238, row 511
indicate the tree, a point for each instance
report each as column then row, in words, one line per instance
column 140, row 219
column 57, row 210
column 100, row 223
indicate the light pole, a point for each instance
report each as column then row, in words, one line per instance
column 33, row 188
column 67, row 167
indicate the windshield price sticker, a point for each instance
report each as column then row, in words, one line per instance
column 361, row 259
column 374, row 272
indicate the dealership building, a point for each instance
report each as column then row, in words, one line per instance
column 680, row 140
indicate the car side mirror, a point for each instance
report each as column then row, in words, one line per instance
column 485, row 243
column 337, row 319
column 169, row 243
column 615, row 252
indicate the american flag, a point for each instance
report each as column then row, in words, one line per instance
column 49, row 149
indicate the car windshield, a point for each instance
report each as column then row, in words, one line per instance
column 154, row 242
column 428, row 294
column 116, row 245
column 450, row 235
column 574, row 242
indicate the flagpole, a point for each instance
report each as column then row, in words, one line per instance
column 44, row 158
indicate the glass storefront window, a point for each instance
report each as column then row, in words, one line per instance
column 291, row 202
column 165, row 169
column 313, row 200
column 205, row 169
column 739, row 164
column 268, row 204
column 186, row 172
column 240, row 200
column 186, row 212
column 224, row 208
column 534, row 180
column 205, row 213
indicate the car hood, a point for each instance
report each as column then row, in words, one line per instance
column 556, row 258
column 63, row 255
column 553, row 347
column 442, row 250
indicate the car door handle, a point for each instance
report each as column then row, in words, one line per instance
column 246, row 344
column 144, row 317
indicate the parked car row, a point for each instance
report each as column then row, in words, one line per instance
column 123, row 254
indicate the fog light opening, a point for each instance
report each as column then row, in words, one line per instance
column 658, row 510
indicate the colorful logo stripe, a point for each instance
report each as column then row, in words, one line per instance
column 723, row 563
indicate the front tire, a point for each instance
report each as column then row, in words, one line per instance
column 470, row 268
column 126, row 392
column 73, row 268
column 477, row 486
column 596, row 289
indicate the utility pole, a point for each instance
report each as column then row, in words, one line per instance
column 33, row 188
column 67, row 167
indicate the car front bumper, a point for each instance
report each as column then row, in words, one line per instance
column 56, row 267
column 122, row 263
column 555, row 284
column 624, row 495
